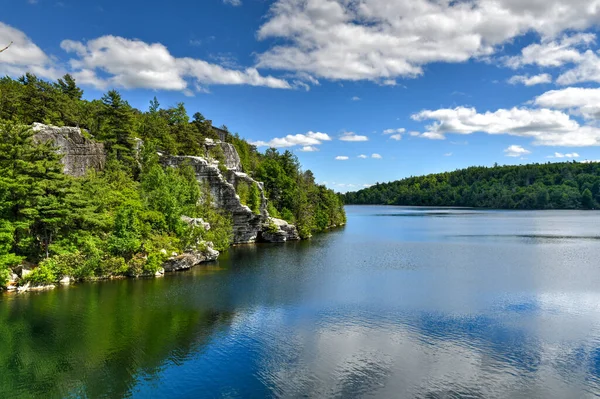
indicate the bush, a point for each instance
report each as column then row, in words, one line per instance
column 112, row 266
column 154, row 262
column 4, row 277
column 42, row 275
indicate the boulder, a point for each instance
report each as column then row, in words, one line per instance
column 80, row 154
column 196, row 222
column 190, row 259
column 278, row 230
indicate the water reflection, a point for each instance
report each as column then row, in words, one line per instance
column 471, row 304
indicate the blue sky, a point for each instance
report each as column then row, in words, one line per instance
column 414, row 86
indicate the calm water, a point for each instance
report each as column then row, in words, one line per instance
column 403, row 302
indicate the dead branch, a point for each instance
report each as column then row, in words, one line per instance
column 6, row 48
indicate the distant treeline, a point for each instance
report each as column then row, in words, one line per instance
column 569, row 185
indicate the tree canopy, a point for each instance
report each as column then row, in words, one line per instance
column 127, row 218
column 568, row 185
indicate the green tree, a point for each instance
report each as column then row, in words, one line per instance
column 587, row 201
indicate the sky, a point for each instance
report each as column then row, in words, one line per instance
column 362, row 91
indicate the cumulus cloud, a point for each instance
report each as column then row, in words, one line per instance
column 24, row 55
column 383, row 40
column 561, row 155
column 363, row 156
column 235, row 3
column 448, row 154
column 309, row 148
column 136, row 64
column 587, row 70
column 551, row 52
column 291, row 140
column 577, row 100
column 355, row 98
column 544, row 126
column 516, row 151
column 530, row 80
column 351, row 136
column 341, row 158
column 396, row 137
column 376, row 156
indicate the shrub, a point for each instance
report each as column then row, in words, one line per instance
column 42, row 275
column 111, row 266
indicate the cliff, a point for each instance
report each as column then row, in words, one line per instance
column 220, row 170
column 248, row 226
column 80, row 154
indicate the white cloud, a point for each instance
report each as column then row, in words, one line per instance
column 351, row 136
column 381, row 40
column 136, row 64
column 516, row 151
column 544, row 126
column 363, row 156
column 530, row 80
column 341, row 158
column 235, row 3
column 355, row 98
column 396, row 137
column 376, row 156
column 587, row 70
column 309, row 148
column 24, row 55
column 581, row 101
column 394, row 131
column 552, row 53
column 560, row 155
column 448, row 154
column 291, row 140
column 415, row 134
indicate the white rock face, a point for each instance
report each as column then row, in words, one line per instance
column 286, row 231
column 190, row 259
column 196, row 222
column 79, row 153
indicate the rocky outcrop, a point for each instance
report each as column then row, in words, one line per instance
column 232, row 158
column 278, row 230
column 246, row 224
column 191, row 259
column 220, row 170
column 195, row 222
column 80, row 154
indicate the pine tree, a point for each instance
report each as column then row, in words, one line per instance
column 31, row 174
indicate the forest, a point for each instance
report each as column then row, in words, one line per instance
column 126, row 219
column 567, row 185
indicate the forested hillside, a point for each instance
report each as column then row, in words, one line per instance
column 125, row 219
column 569, row 185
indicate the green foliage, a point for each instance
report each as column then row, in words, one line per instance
column 254, row 199
column 570, row 185
column 296, row 196
column 126, row 219
column 41, row 275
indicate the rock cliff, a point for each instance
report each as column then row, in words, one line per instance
column 248, row 226
column 220, row 170
column 80, row 154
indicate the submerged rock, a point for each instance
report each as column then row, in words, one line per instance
column 80, row 154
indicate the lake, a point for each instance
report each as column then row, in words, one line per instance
column 402, row 302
